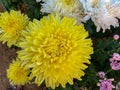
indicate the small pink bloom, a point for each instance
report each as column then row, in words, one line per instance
column 106, row 84
column 116, row 37
column 101, row 74
column 115, row 65
column 116, row 56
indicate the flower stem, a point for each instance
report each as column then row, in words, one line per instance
column 108, row 71
column 2, row 6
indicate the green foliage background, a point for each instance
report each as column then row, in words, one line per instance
column 103, row 43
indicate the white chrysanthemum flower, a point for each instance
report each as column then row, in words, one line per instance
column 114, row 8
column 105, row 21
column 72, row 8
column 103, row 13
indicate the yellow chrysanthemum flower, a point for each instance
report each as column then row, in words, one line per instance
column 16, row 74
column 11, row 26
column 56, row 50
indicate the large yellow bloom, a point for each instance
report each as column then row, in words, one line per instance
column 11, row 26
column 56, row 50
column 16, row 74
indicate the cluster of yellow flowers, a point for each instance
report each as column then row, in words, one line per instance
column 54, row 50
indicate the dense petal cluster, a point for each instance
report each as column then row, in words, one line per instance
column 17, row 74
column 115, row 61
column 106, row 84
column 115, row 65
column 57, row 50
column 11, row 26
column 101, row 74
column 104, row 13
column 72, row 8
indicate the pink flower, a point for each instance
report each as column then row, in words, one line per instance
column 116, row 37
column 116, row 56
column 115, row 61
column 106, row 84
column 111, row 59
column 101, row 74
column 115, row 65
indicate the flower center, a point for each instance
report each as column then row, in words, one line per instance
column 12, row 25
column 56, row 47
column 68, row 2
column 20, row 74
